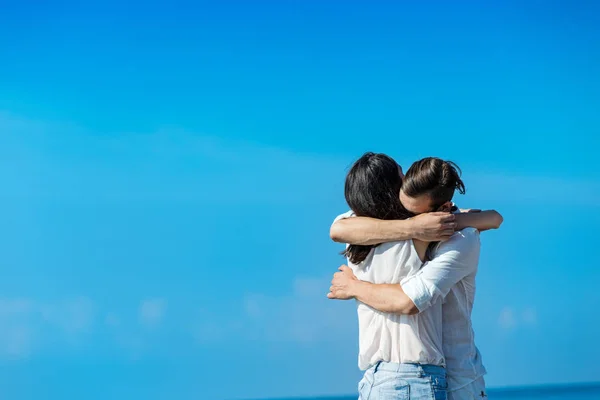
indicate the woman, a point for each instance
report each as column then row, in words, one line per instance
column 398, row 352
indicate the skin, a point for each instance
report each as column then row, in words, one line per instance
column 421, row 204
column 434, row 226
column 429, row 227
column 390, row 297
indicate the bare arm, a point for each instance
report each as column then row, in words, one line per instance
column 457, row 258
column 388, row 298
column 427, row 227
column 385, row 297
column 482, row 221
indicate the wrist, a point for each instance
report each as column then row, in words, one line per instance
column 409, row 228
column 357, row 289
column 460, row 221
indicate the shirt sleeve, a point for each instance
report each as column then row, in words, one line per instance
column 454, row 259
column 345, row 215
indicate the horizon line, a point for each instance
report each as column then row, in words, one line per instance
column 543, row 387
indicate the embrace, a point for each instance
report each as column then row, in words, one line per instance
column 412, row 261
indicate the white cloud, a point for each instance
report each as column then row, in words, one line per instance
column 171, row 164
column 310, row 287
column 152, row 311
column 16, row 341
column 74, row 316
column 510, row 318
column 16, row 335
column 529, row 316
column 28, row 326
column 303, row 316
column 80, row 314
column 252, row 305
column 507, row 319
column 15, row 306
column 209, row 327
column 34, row 164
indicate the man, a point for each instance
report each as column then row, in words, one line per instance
column 428, row 186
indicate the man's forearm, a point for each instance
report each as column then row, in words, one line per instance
column 388, row 298
column 369, row 231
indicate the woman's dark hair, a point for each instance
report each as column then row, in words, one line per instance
column 372, row 190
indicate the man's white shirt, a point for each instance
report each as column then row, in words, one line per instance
column 451, row 276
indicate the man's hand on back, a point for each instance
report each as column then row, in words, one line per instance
column 434, row 226
column 342, row 284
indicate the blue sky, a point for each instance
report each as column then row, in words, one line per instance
column 170, row 171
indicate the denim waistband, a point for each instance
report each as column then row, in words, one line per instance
column 427, row 369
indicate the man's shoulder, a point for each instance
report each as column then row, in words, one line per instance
column 462, row 239
column 467, row 233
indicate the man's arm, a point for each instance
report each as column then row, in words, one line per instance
column 385, row 297
column 429, row 227
column 456, row 259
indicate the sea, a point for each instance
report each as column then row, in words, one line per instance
column 549, row 392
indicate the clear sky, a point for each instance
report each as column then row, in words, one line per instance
column 169, row 172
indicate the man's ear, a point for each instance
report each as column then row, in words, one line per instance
column 446, row 207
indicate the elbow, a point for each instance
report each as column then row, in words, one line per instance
column 411, row 309
column 406, row 307
column 498, row 220
column 336, row 232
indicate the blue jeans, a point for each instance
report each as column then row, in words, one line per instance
column 391, row 381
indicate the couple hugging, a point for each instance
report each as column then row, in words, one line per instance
column 412, row 260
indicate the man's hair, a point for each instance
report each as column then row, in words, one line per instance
column 435, row 178
column 372, row 189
